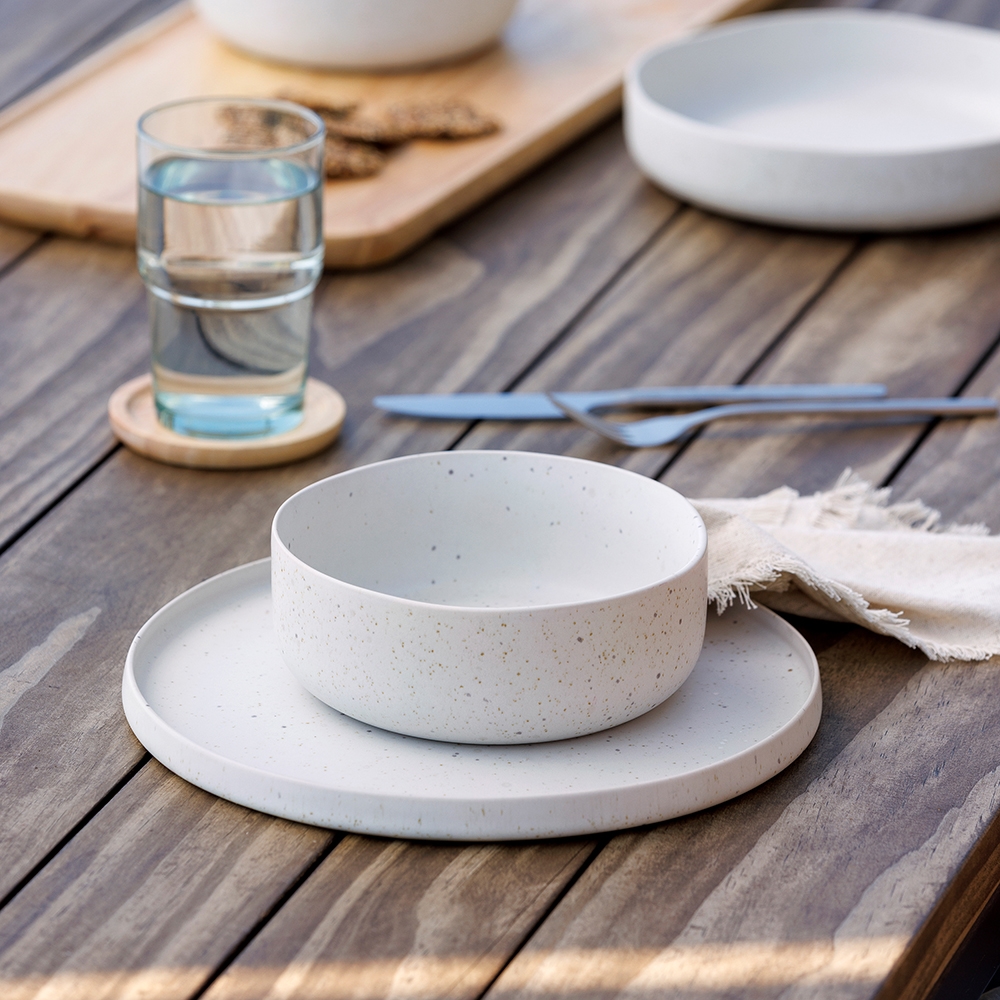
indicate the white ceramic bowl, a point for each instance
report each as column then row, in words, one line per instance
column 489, row 596
column 833, row 119
column 358, row 34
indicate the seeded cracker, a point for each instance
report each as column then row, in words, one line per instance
column 399, row 124
column 345, row 159
column 246, row 126
column 356, row 143
column 441, row 120
column 378, row 130
column 260, row 128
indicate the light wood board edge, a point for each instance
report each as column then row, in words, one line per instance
column 347, row 252
column 113, row 227
column 341, row 252
column 381, row 248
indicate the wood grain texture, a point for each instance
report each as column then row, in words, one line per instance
column 73, row 326
column 813, row 886
column 42, row 39
column 396, row 919
column 701, row 306
column 852, row 874
column 955, row 469
column 68, row 164
column 946, row 943
column 186, row 509
column 132, row 907
column 135, row 534
column 916, row 313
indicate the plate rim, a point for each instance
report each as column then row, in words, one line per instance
column 157, row 734
column 635, row 91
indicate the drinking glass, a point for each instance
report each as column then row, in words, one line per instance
column 230, row 242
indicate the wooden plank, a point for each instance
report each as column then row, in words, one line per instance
column 413, row 317
column 399, row 919
column 951, row 926
column 130, row 907
column 42, row 39
column 915, row 312
column 701, row 306
column 348, row 358
column 73, row 326
column 133, row 535
column 955, row 469
column 69, row 163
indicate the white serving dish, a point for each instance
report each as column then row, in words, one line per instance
column 834, row 119
column 489, row 596
column 358, row 34
column 206, row 692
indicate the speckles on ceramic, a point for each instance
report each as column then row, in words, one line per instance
column 207, row 694
column 489, row 597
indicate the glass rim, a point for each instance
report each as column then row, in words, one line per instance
column 243, row 154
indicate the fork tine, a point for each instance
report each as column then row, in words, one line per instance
column 607, row 430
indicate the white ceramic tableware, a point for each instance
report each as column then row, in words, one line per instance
column 836, row 119
column 358, row 34
column 206, row 692
column 489, row 596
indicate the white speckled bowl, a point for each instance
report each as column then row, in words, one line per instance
column 489, row 596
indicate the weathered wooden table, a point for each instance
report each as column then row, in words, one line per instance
column 866, row 869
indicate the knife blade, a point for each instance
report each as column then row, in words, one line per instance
column 537, row 406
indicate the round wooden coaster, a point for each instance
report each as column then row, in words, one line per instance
column 132, row 413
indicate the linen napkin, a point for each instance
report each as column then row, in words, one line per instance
column 849, row 555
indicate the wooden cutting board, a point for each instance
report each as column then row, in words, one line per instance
column 67, row 153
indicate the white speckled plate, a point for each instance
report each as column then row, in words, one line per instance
column 839, row 119
column 206, row 692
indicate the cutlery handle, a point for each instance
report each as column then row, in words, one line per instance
column 970, row 406
column 713, row 394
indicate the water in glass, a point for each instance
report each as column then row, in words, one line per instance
column 230, row 250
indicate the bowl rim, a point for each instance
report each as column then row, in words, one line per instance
column 492, row 610
column 635, row 92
